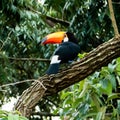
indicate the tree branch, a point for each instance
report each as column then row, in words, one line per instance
column 44, row 114
column 52, row 84
column 16, row 83
column 3, row 43
column 56, row 20
column 114, row 24
column 51, row 20
column 117, row 3
column 28, row 59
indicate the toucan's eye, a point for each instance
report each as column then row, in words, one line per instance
column 65, row 35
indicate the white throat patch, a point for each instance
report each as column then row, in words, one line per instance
column 66, row 39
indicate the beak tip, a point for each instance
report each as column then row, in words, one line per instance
column 42, row 42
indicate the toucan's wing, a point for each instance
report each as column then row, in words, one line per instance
column 67, row 51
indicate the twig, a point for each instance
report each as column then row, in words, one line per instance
column 44, row 114
column 41, row 83
column 51, row 19
column 114, row 24
column 117, row 3
column 3, row 43
column 19, row 82
column 56, row 20
column 28, row 59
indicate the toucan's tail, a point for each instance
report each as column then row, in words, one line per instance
column 53, row 69
column 54, row 65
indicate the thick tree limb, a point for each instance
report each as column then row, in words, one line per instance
column 49, row 85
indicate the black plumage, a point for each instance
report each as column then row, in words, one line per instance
column 66, row 51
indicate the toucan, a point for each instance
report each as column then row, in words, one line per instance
column 65, row 52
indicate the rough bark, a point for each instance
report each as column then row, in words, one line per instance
column 49, row 85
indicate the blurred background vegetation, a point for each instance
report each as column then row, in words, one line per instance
column 23, row 23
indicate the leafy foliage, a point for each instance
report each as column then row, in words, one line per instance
column 23, row 23
column 95, row 97
column 20, row 32
column 4, row 115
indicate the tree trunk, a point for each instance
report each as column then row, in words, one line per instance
column 49, row 85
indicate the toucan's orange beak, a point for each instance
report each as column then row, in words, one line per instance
column 53, row 38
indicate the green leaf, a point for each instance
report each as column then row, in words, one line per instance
column 89, row 115
column 13, row 117
column 83, row 108
column 3, row 119
column 111, row 67
column 81, row 55
column 85, row 89
column 118, row 66
column 3, row 113
column 113, row 81
column 101, row 114
column 106, row 86
column 96, row 100
column 22, row 118
column 76, row 103
column 64, row 95
column 81, row 85
column 104, row 71
column 68, row 101
column 113, row 96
